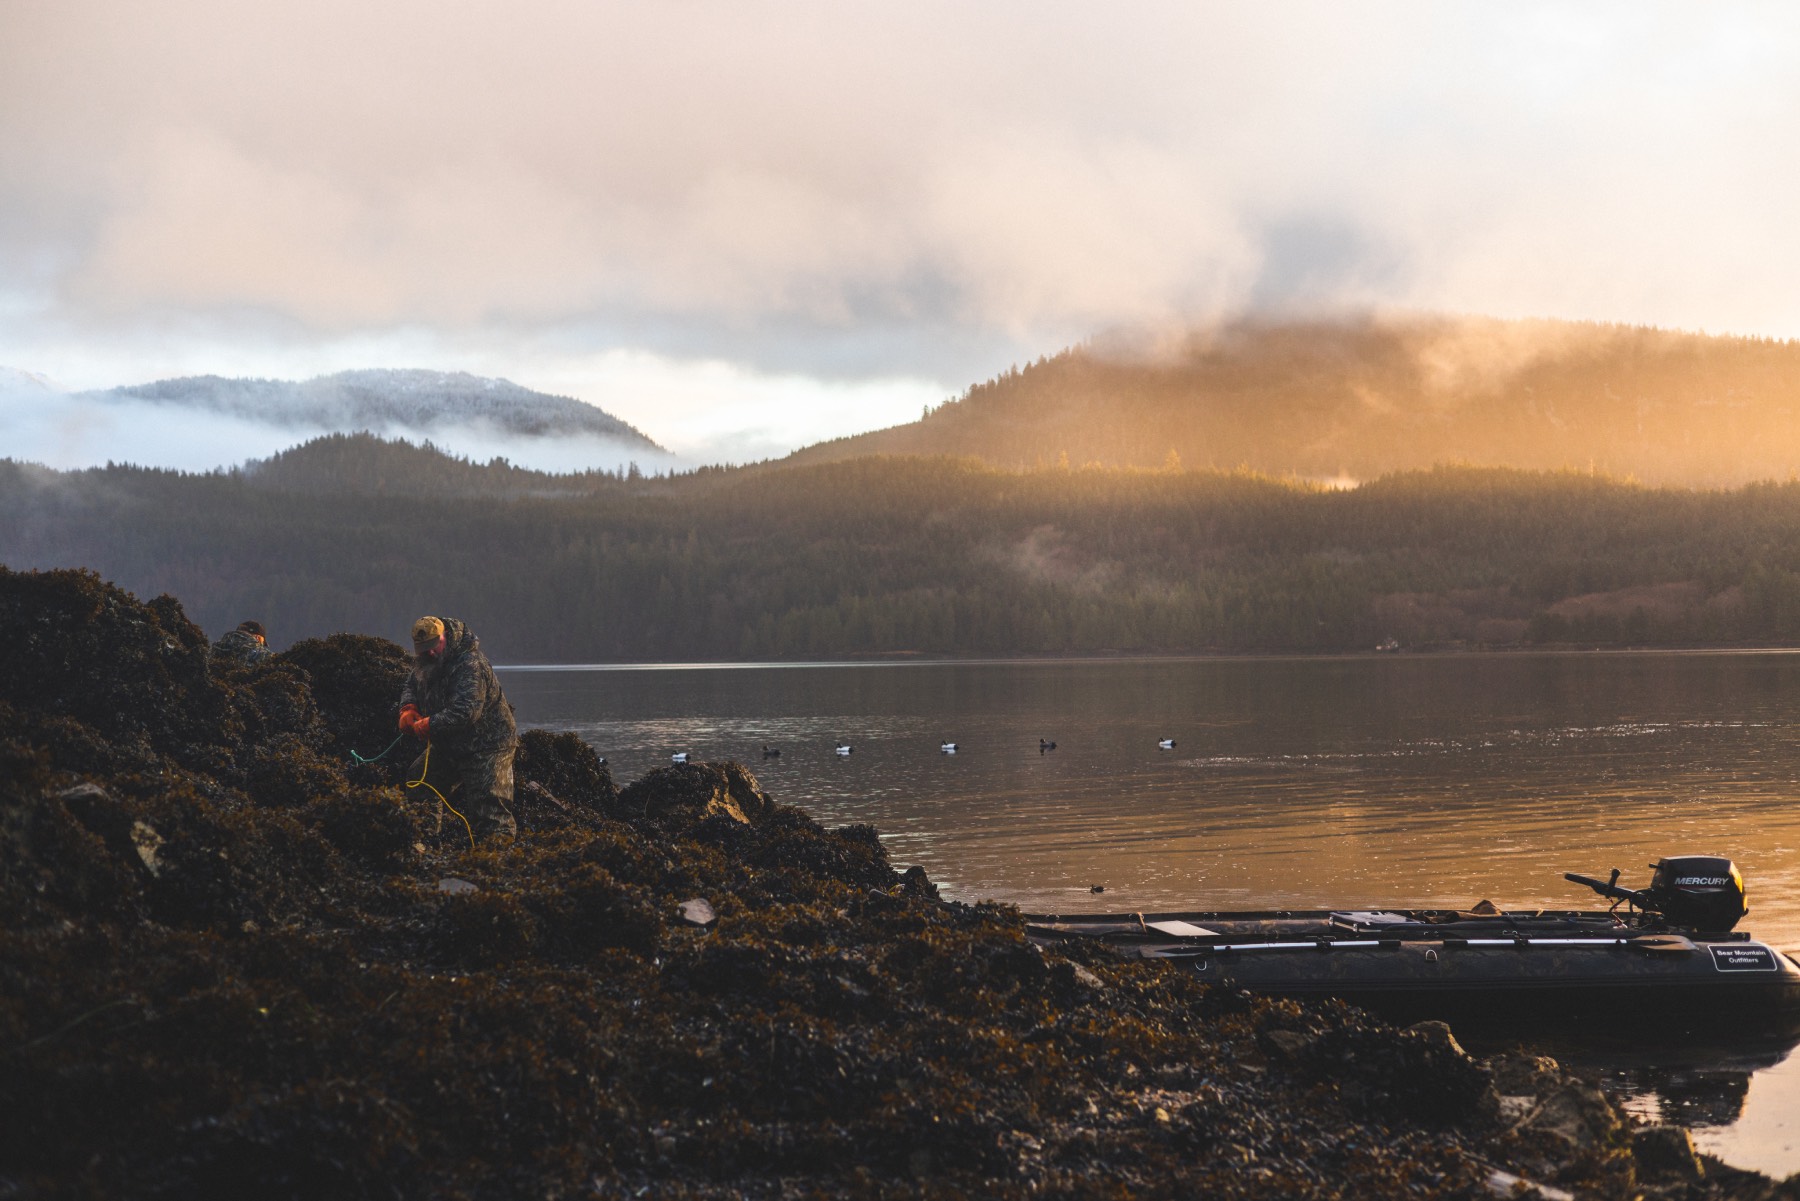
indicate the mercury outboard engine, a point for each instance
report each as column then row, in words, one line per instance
column 1696, row 892
column 1702, row 892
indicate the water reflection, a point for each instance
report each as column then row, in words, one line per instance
column 1740, row 1097
column 1304, row 783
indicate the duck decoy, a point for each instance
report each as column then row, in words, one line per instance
column 678, row 757
column 771, row 752
column 949, row 748
column 1167, row 744
column 844, row 748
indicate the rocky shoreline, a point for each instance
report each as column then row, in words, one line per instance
column 240, row 963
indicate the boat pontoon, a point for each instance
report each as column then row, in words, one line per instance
column 1669, row 952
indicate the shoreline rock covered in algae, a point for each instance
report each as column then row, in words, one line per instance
column 238, row 962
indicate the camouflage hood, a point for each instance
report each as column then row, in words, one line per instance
column 461, row 694
column 459, row 640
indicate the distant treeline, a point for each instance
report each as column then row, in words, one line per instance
column 878, row 556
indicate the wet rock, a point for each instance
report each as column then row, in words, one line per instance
column 696, row 912
column 1522, row 1074
column 148, row 844
column 1578, row 1113
column 1439, row 1037
column 1507, row 1184
column 1665, row 1153
column 915, row 883
column 84, row 793
column 685, row 794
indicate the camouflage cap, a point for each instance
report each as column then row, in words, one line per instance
column 427, row 630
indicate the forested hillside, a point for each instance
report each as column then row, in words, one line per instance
column 1363, row 399
column 879, row 556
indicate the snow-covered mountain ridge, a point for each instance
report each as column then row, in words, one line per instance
column 205, row 423
column 384, row 401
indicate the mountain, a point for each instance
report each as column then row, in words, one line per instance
column 379, row 401
column 14, row 382
column 1367, row 397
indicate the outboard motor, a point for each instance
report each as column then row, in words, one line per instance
column 1697, row 892
column 1701, row 892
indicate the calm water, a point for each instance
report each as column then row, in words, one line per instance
column 1359, row 782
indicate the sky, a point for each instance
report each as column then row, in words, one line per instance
column 744, row 227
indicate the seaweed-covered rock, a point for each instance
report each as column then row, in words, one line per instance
column 560, row 781
column 684, row 794
column 376, row 827
column 1420, row 1073
column 136, row 674
column 355, row 682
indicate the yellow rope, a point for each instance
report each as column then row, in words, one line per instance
column 424, row 769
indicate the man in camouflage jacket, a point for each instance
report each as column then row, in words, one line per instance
column 453, row 700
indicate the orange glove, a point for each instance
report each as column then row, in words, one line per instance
column 408, row 715
column 422, row 728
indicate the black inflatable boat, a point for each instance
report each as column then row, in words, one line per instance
column 1667, row 953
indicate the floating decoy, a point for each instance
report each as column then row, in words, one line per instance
column 949, row 748
column 844, row 748
column 678, row 757
column 771, row 752
column 1167, row 744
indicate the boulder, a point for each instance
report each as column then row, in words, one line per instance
column 685, row 794
column 1576, row 1116
column 1521, row 1074
column 560, row 779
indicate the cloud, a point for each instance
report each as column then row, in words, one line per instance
column 867, row 196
